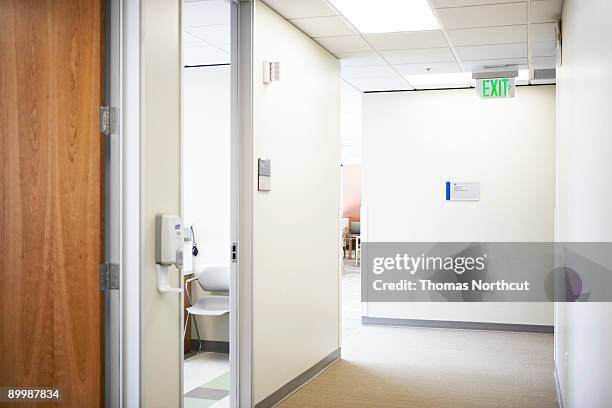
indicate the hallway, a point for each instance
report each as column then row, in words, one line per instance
column 439, row 368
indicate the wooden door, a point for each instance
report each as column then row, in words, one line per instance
column 51, row 198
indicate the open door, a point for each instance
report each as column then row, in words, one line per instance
column 51, row 198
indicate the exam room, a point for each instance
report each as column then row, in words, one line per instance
column 206, row 200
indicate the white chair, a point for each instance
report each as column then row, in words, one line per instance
column 211, row 279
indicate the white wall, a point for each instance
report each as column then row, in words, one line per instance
column 295, row 228
column 206, row 178
column 351, row 129
column 160, row 193
column 415, row 141
column 584, row 194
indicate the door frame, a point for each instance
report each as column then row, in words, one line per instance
column 123, row 382
column 123, row 245
column 242, row 184
column 112, row 202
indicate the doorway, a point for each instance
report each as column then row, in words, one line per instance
column 351, row 214
column 207, row 201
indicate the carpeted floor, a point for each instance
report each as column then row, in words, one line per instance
column 437, row 368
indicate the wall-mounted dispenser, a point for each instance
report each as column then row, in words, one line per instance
column 168, row 249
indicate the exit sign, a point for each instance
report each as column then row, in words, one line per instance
column 495, row 88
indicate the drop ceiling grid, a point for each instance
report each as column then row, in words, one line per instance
column 206, row 32
column 474, row 33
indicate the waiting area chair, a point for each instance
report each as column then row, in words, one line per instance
column 211, row 279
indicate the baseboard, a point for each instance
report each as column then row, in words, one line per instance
column 444, row 324
column 210, row 345
column 298, row 382
column 558, row 388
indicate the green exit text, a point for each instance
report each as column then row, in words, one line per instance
column 497, row 88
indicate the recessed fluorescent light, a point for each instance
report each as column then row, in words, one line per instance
column 387, row 16
column 454, row 79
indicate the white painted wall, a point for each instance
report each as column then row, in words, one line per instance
column 295, row 226
column 415, row 141
column 584, row 194
column 206, row 178
column 160, row 193
column 351, row 129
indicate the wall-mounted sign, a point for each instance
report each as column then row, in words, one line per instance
column 264, row 175
column 462, row 191
column 495, row 88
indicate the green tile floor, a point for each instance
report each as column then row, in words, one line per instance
column 210, row 393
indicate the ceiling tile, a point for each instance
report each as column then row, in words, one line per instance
column 354, row 59
column 483, row 52
column 213, row 35
column 407, row 40
column 391, row 83
column 191, row 41
column 205, row 56
column 483, row 16
column 543, row 11
column 543, row 32
column 329, row 26
column 301, row 8
column 470, row 65
column 435, row 68
column 345, row 43
column 544, row 62
column 419, row 55
column 367, row 71
column 202, row 13
column 488, row 35
column 543, row 48
column 463, row 3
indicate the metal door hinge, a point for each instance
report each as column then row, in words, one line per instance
column 234, row 252
column 109, row 276
column 108, row 120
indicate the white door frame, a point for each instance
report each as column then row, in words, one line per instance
column 241, row 326
column 112, row 204
column 122, row 204
column 242, row 203
column 127, row 98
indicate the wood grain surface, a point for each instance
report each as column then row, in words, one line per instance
column 51, row 197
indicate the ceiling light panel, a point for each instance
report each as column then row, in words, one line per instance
column 387, row 16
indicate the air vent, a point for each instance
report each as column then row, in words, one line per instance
column 549, row 73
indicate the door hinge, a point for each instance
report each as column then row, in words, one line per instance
column 234, row 252
column 108, row 120
column 109, row 276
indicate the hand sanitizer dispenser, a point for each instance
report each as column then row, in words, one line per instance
column 168, row 249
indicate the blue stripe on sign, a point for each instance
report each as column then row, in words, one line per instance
column 448, row 191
